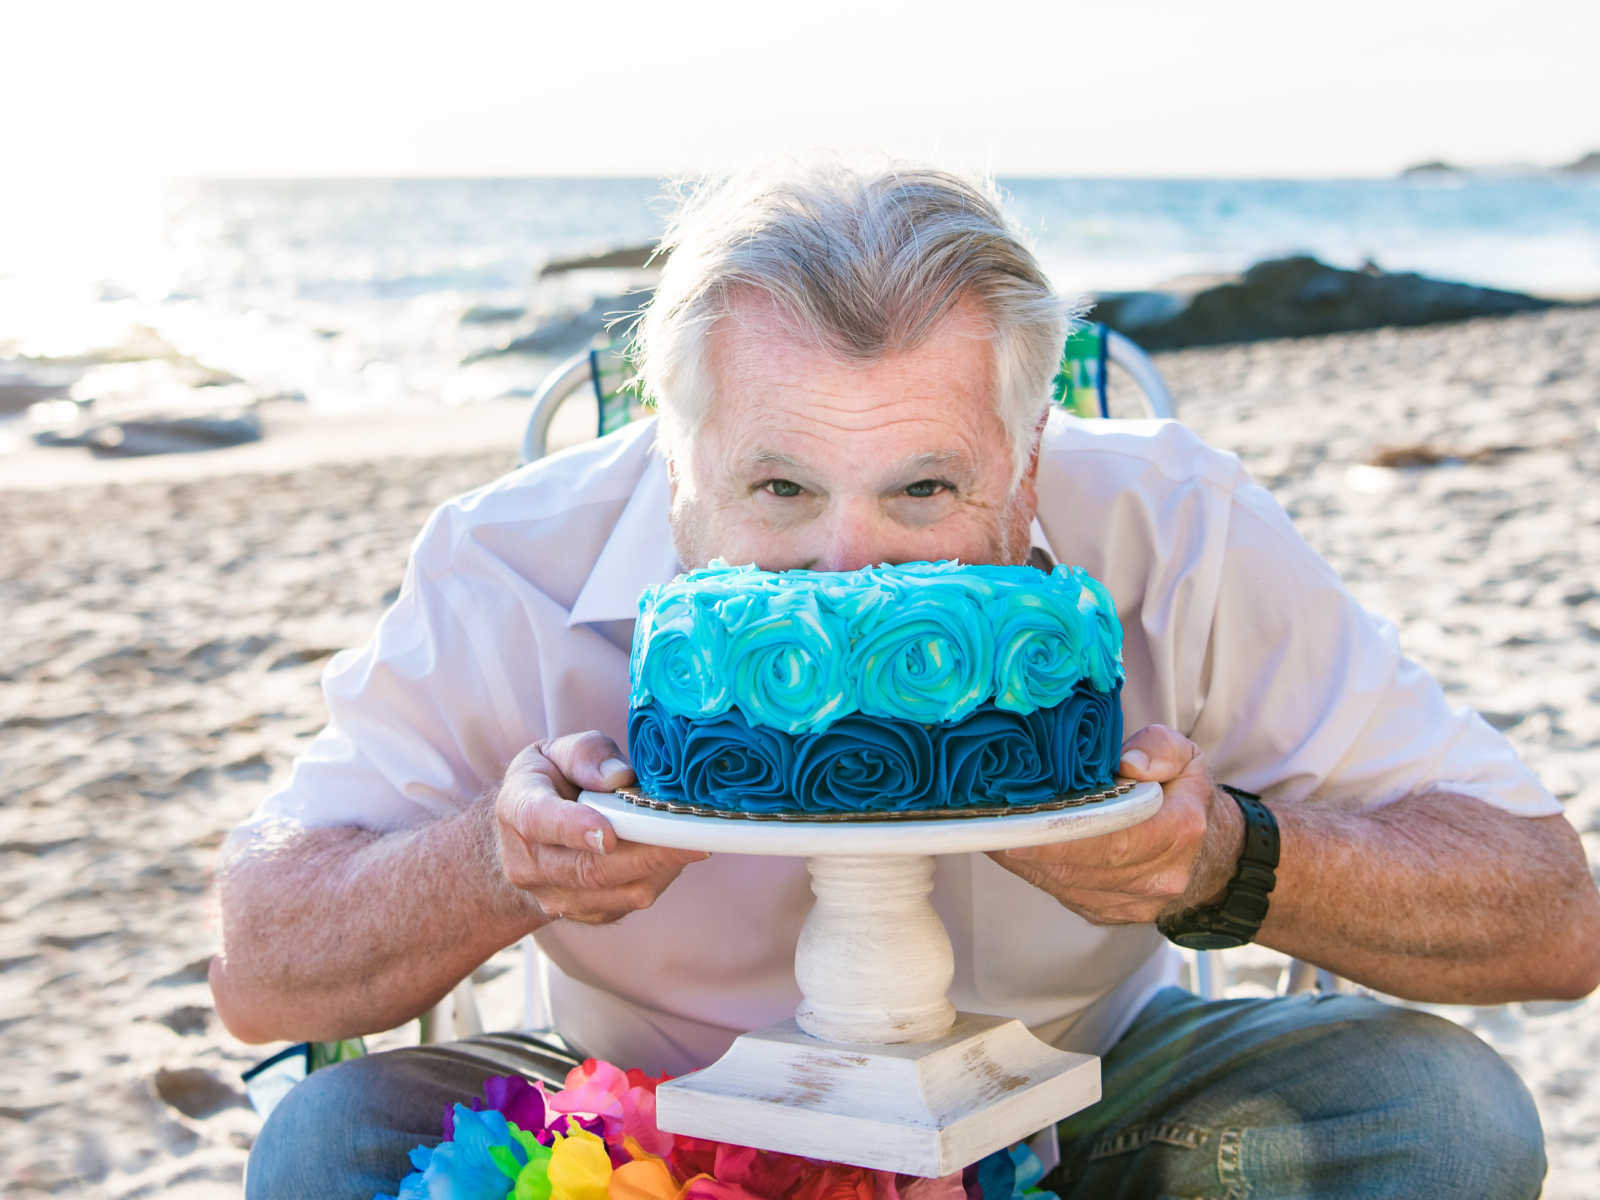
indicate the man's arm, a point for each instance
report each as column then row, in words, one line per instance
column 334, row 932
column 1436, row 897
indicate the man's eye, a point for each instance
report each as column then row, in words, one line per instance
column 923, row 488
column 786, row 488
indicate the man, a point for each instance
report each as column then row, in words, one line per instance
column 851, row 368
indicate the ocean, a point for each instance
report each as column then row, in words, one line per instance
column 356, row 294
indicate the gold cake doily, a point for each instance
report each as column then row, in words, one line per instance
column 1074, row 800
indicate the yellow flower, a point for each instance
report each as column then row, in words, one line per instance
column 580, row 1168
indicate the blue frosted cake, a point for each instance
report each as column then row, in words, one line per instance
column 891, row 690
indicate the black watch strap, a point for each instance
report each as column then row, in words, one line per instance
column 1236, row 918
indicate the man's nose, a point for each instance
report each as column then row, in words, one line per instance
column 856, row 535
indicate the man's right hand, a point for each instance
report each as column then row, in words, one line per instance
column 565, row 855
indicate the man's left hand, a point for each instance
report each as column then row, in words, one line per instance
column 1181, row 857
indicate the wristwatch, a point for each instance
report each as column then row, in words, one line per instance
column 1234, row 920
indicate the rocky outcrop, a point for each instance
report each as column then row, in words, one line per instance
column 621, row 257
column 1432, row 168
column 156, row 406
column 1297, row 297
column 566, row 332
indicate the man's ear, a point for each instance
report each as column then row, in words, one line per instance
column 1028, row 485
column 672, row 480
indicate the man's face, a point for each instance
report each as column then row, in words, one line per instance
column 806, row 462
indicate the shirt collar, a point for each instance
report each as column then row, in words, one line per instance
column 640, row 552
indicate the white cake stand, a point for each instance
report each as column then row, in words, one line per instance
column 877, row 1069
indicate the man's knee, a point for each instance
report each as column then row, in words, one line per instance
column 1399, row 1095
column 1476, row 1126
column 320, row 1132
column 1327, row 1095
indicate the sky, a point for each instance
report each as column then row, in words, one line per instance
column 123, row 91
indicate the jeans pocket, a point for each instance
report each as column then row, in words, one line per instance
column 1169, row 1160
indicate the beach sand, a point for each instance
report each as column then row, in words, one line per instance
column 166, row 621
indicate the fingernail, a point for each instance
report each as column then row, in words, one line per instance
column 611, row 767
column 1137, row 759
column 596, row 840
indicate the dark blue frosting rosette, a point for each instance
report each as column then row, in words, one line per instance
column 996, row 757
column 728, row 757
column 862, row 764
column 1086, row 737
column 655, row 744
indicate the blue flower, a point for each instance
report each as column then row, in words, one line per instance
column 480, row 1163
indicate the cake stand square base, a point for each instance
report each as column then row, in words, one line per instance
column 921, row 1108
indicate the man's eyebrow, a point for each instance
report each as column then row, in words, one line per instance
column 938, row 460
column 763, row 460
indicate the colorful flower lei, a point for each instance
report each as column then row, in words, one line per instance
column 597, row 1139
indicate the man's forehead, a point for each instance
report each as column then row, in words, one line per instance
column 760, row 458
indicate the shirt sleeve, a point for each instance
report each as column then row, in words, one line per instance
column 409, row 736
column 1306, row 695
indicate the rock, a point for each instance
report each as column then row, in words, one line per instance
column 1589, row 164
column 195, row 1092
column 161, row 434
column 492, row 314
column 1298, row 297
column 197, row 971
column 19, row 393
column 622, row 257
column 568, row 332
column 1430, row 168
column 187, row 1019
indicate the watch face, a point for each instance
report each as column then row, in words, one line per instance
column 1208, row 939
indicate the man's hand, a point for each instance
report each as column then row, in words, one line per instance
column 1181, row 857
column 566, row 856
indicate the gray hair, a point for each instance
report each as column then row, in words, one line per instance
column 865, row 263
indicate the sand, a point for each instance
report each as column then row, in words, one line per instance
column 166, row 621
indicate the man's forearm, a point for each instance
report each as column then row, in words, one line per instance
column 1437, row 898
column 335, row 932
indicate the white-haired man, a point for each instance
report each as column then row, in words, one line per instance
column 851, row 368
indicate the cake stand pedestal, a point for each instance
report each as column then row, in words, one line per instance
column 877, row 1069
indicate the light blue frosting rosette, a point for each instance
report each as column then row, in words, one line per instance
column 786, row 659
column 1039, row 647
column 678, row 655
column 925, row 655
column 1103, row 651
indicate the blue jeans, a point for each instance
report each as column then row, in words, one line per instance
column 1309, row 1096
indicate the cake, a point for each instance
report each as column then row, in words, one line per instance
column 894, row 690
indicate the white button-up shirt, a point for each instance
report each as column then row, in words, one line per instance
column 515, row 620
